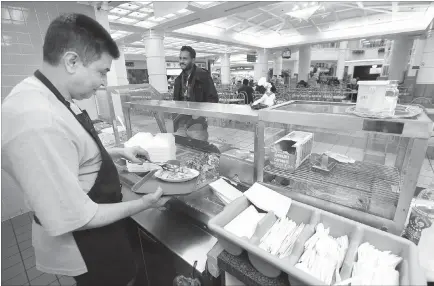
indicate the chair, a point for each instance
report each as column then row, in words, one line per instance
column 242, row 95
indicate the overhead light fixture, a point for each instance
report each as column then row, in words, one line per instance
column 305, row 13
column 138, row 15
column 124, row 20
column 147, row 10
column 183, row 11
column 156, row 19
column 170, row 16
column 129, row 6
column 145, row 24
column 119, row 11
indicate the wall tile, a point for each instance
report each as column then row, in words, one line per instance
column 13, row 49
column 23, row 38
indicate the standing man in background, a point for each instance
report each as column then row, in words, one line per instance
column 193, row 84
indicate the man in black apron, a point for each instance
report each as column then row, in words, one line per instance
column 77, row 56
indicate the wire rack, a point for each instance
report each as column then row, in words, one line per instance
column 365, row 186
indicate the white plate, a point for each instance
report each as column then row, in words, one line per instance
column 165, row 176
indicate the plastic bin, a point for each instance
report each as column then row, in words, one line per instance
column 272, row 266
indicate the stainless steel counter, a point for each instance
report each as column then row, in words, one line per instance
column 176, row 232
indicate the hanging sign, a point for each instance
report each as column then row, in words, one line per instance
column 286, row 54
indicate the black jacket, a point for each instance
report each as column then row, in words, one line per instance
column 202, row 86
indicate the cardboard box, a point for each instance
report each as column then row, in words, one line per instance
column 289, row 152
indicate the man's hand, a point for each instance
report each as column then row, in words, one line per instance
column 155, row 200
column 131, row 153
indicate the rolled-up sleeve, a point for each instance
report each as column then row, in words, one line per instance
column 44, row 162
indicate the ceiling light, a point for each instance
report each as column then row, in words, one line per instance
column 145, row 24
column 143, row 3
column 119, row 11
column 156, row 19
column 304, row 14
column 183, row 11
column 147, row 10
column 112, row 17
column 137, row 15
column 170, row 15
column 124, row 20
column 295, row 7
column 129, row 6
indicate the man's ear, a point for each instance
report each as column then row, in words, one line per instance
column 71, row 61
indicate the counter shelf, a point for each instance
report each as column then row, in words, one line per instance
column 377, row 189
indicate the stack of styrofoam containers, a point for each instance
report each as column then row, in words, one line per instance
column 161, row 148
column 272, row 266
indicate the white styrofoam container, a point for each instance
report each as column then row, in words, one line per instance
column 371, row 98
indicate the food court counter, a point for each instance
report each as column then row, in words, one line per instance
column 181, row 228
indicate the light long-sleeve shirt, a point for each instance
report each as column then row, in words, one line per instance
column 267, row 99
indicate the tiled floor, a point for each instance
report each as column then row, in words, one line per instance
column 18, row 256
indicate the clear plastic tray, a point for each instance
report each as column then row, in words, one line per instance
column 272, row 266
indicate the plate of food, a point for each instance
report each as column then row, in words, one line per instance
column 181, row 174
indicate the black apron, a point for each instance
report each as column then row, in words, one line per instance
column 107, row 250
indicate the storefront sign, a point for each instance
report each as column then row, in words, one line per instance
column 251, row 58
column 129, row 64
column 175, row 65
column 241, row 68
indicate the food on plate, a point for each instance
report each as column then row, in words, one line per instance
column 181, row 173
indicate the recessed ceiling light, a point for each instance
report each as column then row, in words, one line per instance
column 129, row 6
column 145, row 24
column 138, row 15
column 119, row 11
column 156, row 19
column 147, row 10
column 112, row 17
column 124, row 20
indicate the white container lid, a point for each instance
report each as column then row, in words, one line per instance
column 374, row 82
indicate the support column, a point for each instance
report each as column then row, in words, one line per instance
column 156, row 60
column 304, row 55
column 342, row 56
column 261, row 66
column 117, row 69
column 416, row 56
column 225, row 71
column 425, row 78
column 121, row 69
column 278, row 65
column 399, row 57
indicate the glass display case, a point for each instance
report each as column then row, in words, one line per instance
column 237, row 142
column 376, row 188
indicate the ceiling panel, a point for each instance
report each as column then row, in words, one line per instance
column 307, row 30
column 354, row 13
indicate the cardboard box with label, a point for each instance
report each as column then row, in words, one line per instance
column 289, row 152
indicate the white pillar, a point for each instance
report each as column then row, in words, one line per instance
column 416, row 56
column 156, row 60
column 426, row 72
column 225, row 71
column 121, row 69
column 277, row 65
column 399, row 57
column 342, row 55
column 117, row 68
column 261, row 66
column 304, row 55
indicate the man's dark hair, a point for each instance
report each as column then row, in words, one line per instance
column 190, row 50
column 78, row 33
column 245, row 81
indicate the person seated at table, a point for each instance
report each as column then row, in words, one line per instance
column 354, row 89
column 268, row 97
column 248, row 90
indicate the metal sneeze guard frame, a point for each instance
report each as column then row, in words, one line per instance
column 418, row 131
